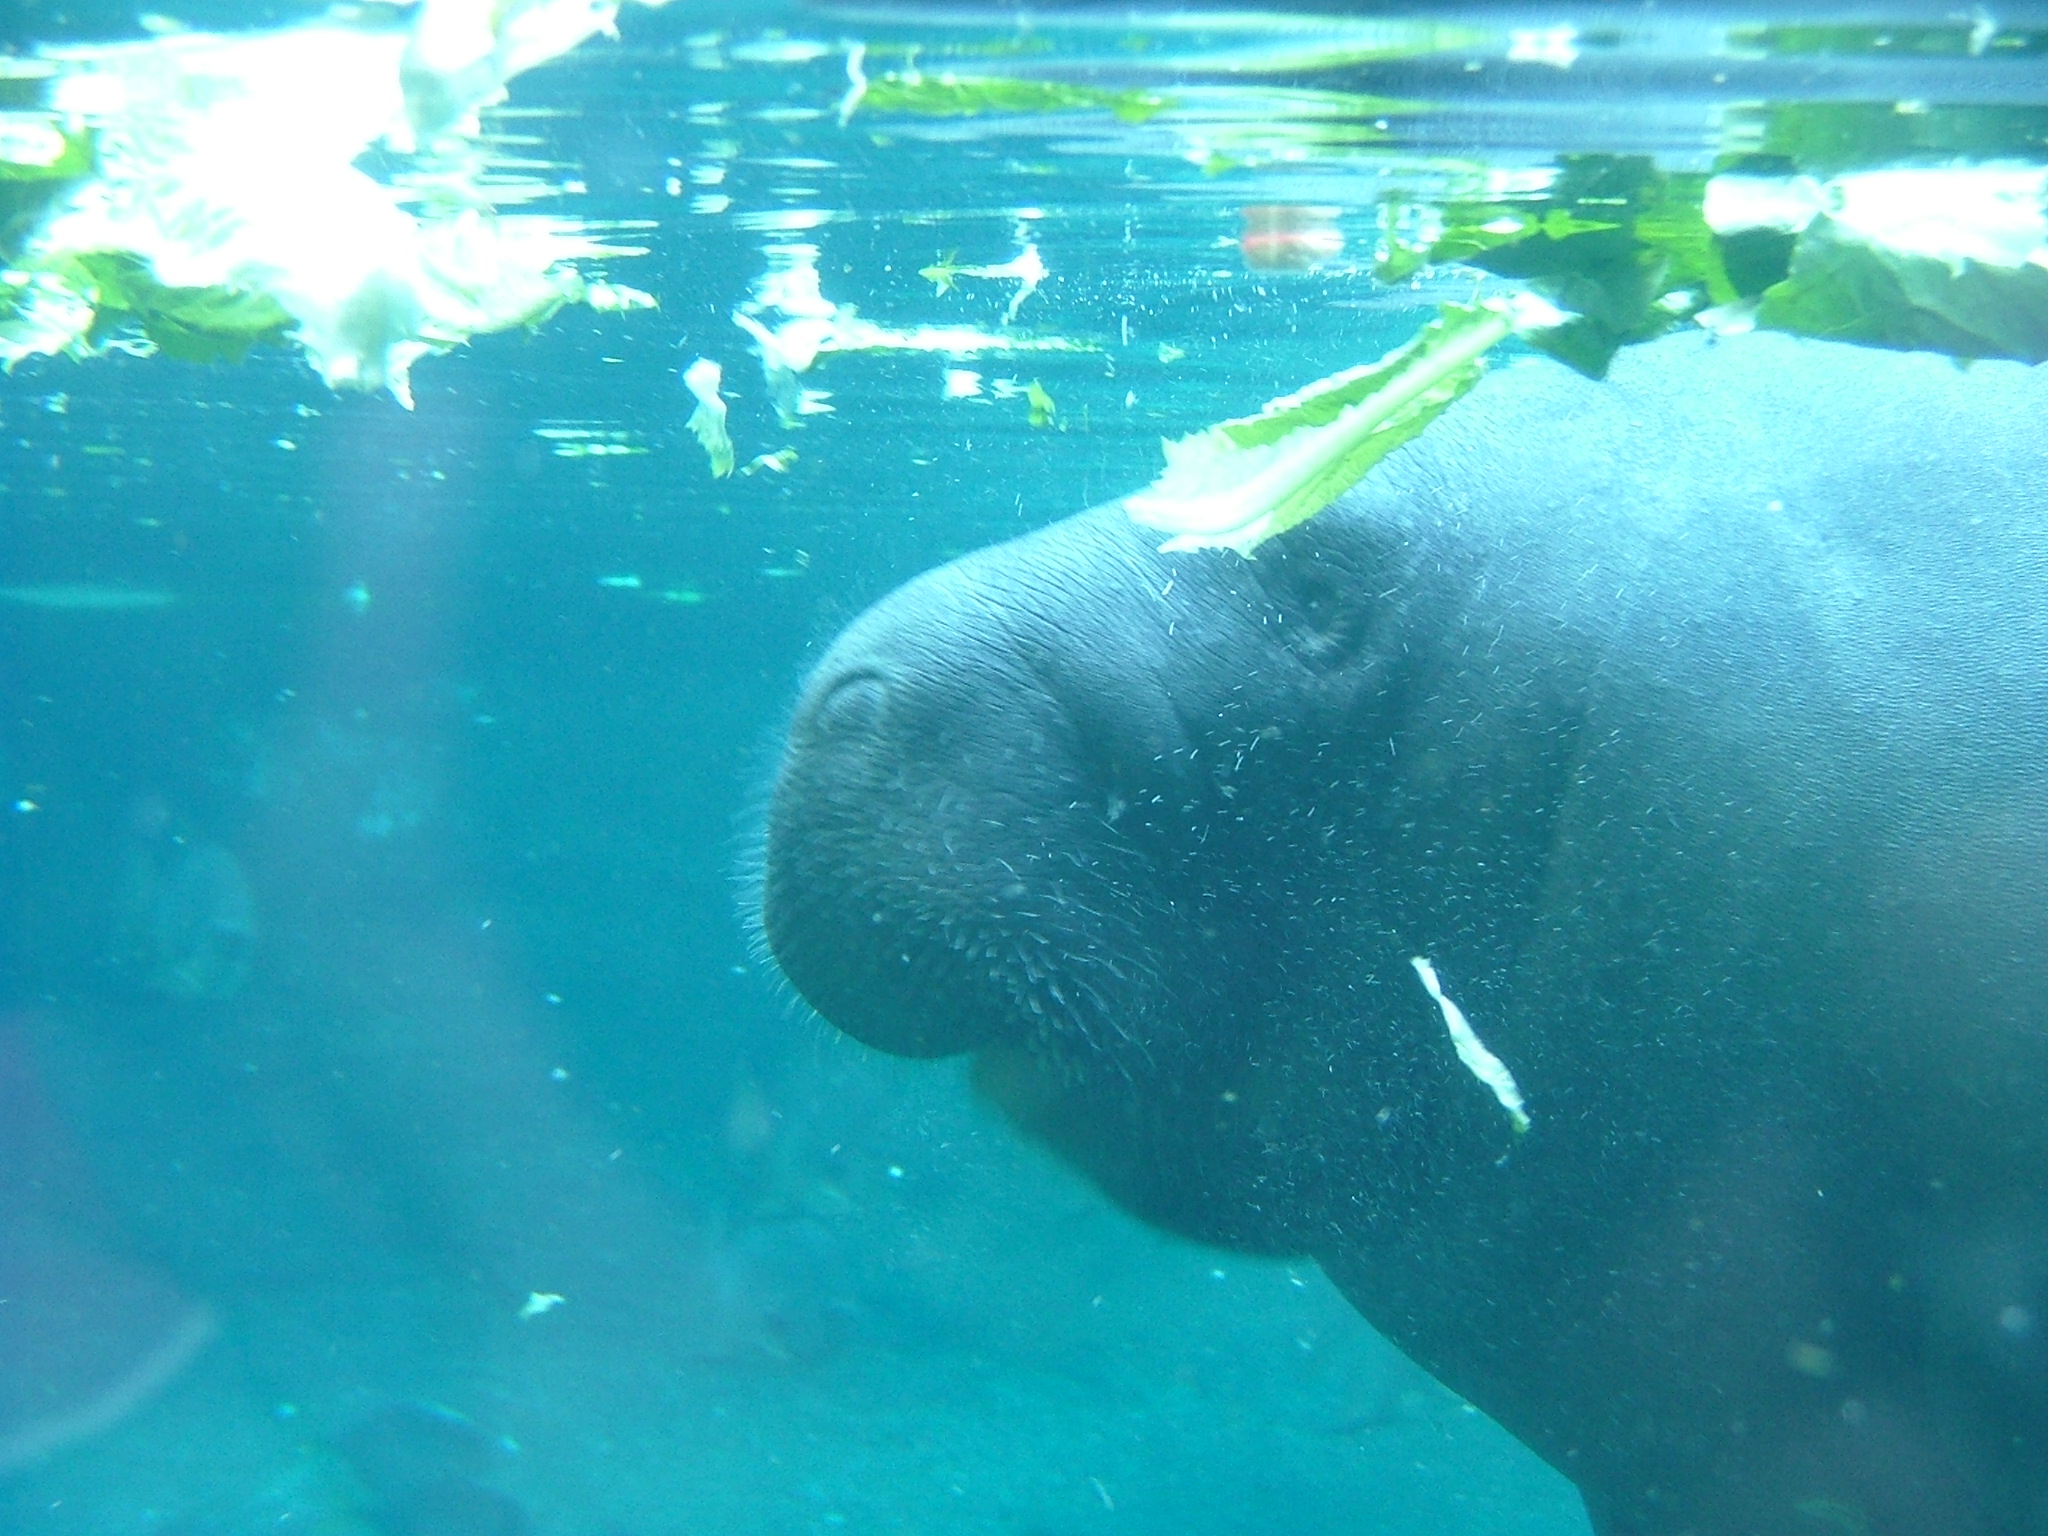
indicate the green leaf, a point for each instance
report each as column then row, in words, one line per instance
column 949, row 95
column 194, row 325
column 1614, row 242
column 33, row 148
column 1958, row 39
column 1827, row 137
column 1845, row 289
column 1240, row 482
column 39, row 165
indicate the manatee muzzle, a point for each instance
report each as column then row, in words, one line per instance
column 856, row 894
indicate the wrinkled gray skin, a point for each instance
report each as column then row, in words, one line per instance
column 1695, row 725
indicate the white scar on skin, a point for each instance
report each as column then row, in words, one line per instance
column 1478, row 1060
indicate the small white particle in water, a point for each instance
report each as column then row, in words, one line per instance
column 895, row 1172
column 539, row 1303
column 560, row 1075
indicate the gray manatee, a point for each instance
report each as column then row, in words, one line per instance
column 1693, row 726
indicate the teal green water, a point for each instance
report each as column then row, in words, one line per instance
column 391, row 1096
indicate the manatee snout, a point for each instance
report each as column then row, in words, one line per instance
column 830, row 912
column 885, row 898
column 938, row 862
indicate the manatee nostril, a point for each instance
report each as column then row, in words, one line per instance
column 852, row 704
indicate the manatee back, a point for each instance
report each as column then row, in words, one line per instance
column 1783, row 1013
column 1809, row 582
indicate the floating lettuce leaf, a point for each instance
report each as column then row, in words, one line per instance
column 1846, row 290
column 35, row 146
column 1827, row 137
column 1237, row 484
column 916, row 93
column 1960, row 38
column 793, row 324
column 1027, row 268
column 1950, row 259
column 1617, row 245
column 40, row 163
column 1895, row 225
column 227, row 190
column 194, row 325
column 707, row 421
column 777, row 462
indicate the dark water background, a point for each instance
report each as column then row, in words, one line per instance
column 375, row 950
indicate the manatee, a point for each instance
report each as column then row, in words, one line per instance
column 1692, row 728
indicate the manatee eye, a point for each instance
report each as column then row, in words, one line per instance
column 1324, row 605
column 1318, row 599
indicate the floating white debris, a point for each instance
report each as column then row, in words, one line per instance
column 589, row 442
column 616, row 298
column 962, row 384
column 856, row 82
column 540, row 1303
column 1478, row 1060
column 811, row 325
column 777, row 462
column 1556, row 46
column 786, row 221
column 780, row 50
column 1027, row 267
column 702, row 379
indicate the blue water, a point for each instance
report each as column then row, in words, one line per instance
column 375, row 962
